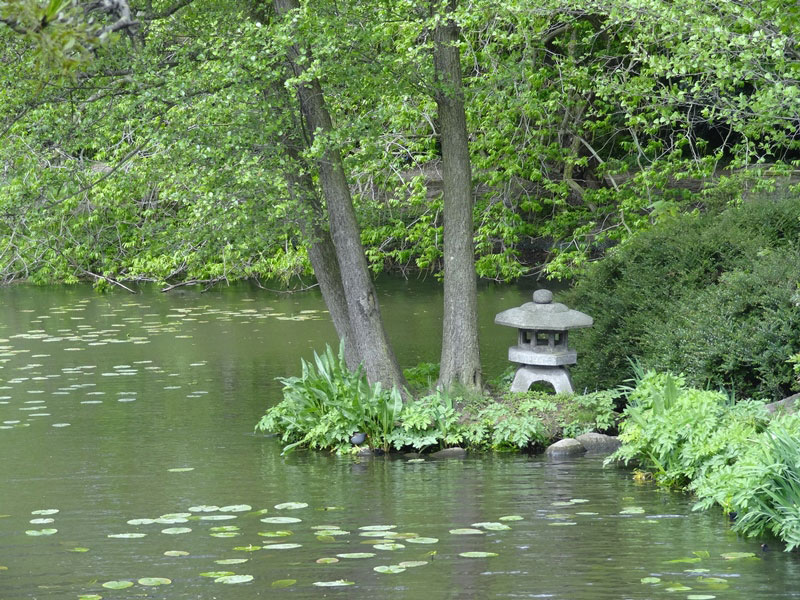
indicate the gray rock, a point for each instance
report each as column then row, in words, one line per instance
column 786, row 406
column 455, row 452
column 599, row 443
column 565, row 448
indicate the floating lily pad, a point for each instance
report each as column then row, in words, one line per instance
column 154, row 581
column 170, row 520
column 389, row 546
column 126, row 535
column 203, row 508
column 283, row 583
column 422, row 540
column 78, row 549
column 378, row 527
column 42, row 521
column 562, row 524
column 234, row 579
column 179, row 515
column 117, row 585
column 332, row 532
column 650, row 579
column 511, row 518
column 466, row 531
column 327, row 560
column 90, row 597
column 632, row 510
column 291, row 505
column 141, row 521
column 274, row 533
column 337, row 583
column 677, row 587
column 281, row 546
column 375, row 534
column 38, row 532
column 176, row 530
column 217, row 574
column 700, row 597
column 231, row 561
column 415, row 460
column 176, row 553
column 45, row 511
column 356, row 555
column 408, row 564
column 737, row 555
column 250, row 548
column 216, row 517
column 281, row 520
column 685, row 559
column 236, row 508
column 388, row 569
column 491, row 526
column 224, row 534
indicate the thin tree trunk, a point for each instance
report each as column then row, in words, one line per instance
column 380, row 363
column 460, row 362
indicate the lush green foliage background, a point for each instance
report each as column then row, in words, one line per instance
column 163, row 157
column 714, row 296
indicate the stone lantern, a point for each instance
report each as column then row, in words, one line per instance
column 542, row 351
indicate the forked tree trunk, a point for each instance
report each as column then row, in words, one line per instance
column 460, row 361
column 369, row 335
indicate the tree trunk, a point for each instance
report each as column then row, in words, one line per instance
column 372, row 345
column 460, row 361
column 321, row 253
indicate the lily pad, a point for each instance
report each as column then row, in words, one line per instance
column 685, row 559
column 388, row 569
column 477, row 554
column 378, row 527
column 154, row 581
column 41, row 521
column 491, row 526
column 327, row 560
column 176, row 530
column 141, row 521
column 283, row 583
column 274, row 533
column 408, row 564
column 281, row 520
column 291, row 505
column 45, row 511
column 632, row 510
column 466, row 531
column 250, row 548
column 650, row 579
column 236, row 508
column 678, row 587
column 78, row 549
column 737, row 555
column 388, row 546
column 38, row 532
column 415, row 460
column 700, row 597
column 176, row 553
column 217, row 517
column 356, row 555
column 203, row 508
column 281, row 546
column 126, row 536
column 117, row 585
column 562, row 524
column 511, row 518
column 90, row 597
column 422, row 540
column 217, row 574
column 181, row 469
column 234, row 579
column 224, row 534
column 332, row 532
column 336, row 583
column 231, row 561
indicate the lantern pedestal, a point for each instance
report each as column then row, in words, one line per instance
column 558, row 377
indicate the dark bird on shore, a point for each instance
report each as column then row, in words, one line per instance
column 732, row 515
column 358, row 438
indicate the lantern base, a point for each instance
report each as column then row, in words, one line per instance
column 527, row 375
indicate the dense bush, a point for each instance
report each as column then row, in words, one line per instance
column 728, row 454
column 713, row 296
column 328, row 403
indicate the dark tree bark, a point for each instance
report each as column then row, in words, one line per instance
column 369, row 335
column 460, row 362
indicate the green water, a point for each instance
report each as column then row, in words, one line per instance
column 120, row 407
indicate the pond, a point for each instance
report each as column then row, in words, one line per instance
column 130, row 469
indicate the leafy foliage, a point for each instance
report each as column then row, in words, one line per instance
column 728, row 454
column 713, row 297
column 324, row 406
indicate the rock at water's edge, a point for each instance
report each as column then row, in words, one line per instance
column 599, row 443
column 785, row 406
column 455, row 452
column 565, row 448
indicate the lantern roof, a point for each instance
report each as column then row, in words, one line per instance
column 543, row 314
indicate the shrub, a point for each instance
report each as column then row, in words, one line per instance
column 713, row 296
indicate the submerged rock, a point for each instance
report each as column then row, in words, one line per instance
column 454, row 452
column 599, row 443
column 565, row 448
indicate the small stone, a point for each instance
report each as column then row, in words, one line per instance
column 542, row 296
column 454, row 452
column 599, row 443
column 565, row 448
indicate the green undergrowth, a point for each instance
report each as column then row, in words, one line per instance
column 731, row 454
column 325, row 405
